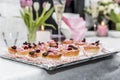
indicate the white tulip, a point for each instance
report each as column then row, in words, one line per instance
column 106, row 1
column 46, row 6
column 101, row 8
column 36, row 6
column 117, row 10
column 111, row 6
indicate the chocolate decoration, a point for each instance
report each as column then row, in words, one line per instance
column 45, row 54
column 32, row 52
column 75, row 48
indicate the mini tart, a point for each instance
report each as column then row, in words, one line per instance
column 70, row 53
column 51, row 55
column 12, row 51
column 22, row 51
column 92, row 49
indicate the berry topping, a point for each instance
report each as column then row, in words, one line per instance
column 84, row 40
column 71, row 39
column 25, row 43
column 25, row 47
column 97, row 43
column 71, row 46
column 37, row 51
column 92, row 43
column 56, row 46
column 32, row 52
column 34, row 44
column 39, row 43
column 50, row 51
column 13, row 47
column 29, row 46
column 45, row 54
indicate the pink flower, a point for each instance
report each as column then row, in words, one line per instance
column 25, row 3
column 29, row 3
column 46, row 6
column 117, row 1
column 22, row 3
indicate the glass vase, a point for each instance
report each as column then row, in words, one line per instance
column 118, row 26
column 32, row 36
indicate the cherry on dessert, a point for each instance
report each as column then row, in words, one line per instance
column 84, row 40
column 13, row 47
column 34, row 44
column 32, row 52
column 97, row 42
column 25, row 43
column 25, row 47
column 92, row 43
column 45, row 54
column 69, row 48
column 37, row 51
column 29, row 46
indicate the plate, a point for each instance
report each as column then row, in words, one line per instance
column 56, row 64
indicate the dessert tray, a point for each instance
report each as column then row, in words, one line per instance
column 55, row 64
column 36, row 55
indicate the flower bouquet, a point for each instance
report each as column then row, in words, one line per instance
column 111, row 11
column 27, row 7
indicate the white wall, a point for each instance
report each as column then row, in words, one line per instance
column 8, row 22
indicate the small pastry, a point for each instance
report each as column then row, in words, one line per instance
column 35, row 54
column 51, row 55
column 12, row 49
column 71, row 51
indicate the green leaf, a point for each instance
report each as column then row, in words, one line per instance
column 46, row 16
column 50, row 25
column 114, row 17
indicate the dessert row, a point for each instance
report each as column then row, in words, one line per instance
column 53, row 50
